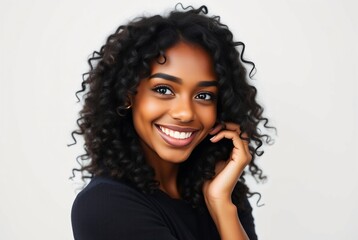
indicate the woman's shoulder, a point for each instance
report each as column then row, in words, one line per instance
column 109, row 209
column 103, row 184
column 105, row 191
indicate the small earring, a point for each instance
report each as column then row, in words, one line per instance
column 122, row 111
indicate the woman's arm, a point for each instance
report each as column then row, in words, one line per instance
column 217, row 192
column 227, row 221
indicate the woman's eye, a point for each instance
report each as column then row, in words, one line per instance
column 205, row 96
column 163, row 90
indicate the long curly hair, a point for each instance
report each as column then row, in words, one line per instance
column 112, row 146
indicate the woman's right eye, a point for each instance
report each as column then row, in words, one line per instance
column 163, row 90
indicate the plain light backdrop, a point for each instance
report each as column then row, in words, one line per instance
column 306, row 55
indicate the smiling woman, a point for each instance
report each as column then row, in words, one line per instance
column 175, row 108
column 170, row 122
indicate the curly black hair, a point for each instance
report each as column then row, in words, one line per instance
column 111, row 143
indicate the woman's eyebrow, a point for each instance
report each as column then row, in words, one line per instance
column 211, row 83
column 166, row 77
column 180, row 81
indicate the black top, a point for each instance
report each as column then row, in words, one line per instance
column 111, row 209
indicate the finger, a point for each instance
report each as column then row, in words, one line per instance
column 237, row 128
column 216, row 129
column 232, row 126
column 234, row 136
column 243, row 135
column 239, row 144
column 226, row 134
column 219, row 126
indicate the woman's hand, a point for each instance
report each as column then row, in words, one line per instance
column 217, row 192
column 227, row 172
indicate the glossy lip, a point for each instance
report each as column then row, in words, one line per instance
column 173, row 141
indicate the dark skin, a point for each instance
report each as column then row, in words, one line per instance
column 173, row 111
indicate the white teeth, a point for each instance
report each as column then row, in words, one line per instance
column 182, row 135
column 175, row 134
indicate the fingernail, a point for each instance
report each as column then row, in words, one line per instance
column 212, row 138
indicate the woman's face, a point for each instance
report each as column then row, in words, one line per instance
column 175, row 108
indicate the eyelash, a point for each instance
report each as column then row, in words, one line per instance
column 160, row 87
column 212, row 96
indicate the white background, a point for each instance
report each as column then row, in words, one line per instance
column 306, row 54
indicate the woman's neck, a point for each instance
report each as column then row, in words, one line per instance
column 166, row 173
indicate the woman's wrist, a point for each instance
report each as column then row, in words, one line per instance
column 226, row 219
column 219, row 208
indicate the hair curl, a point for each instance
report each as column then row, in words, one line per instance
column 111, row 144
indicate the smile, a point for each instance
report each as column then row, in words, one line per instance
column 175, row 134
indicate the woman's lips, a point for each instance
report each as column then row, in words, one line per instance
column 176, row 136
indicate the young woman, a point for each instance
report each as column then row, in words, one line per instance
column 170, row 122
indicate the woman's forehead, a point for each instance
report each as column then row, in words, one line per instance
column 186, row 58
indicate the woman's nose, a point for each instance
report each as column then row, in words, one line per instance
column 182, row 110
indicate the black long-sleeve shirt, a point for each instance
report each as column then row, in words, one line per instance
column 109, row 209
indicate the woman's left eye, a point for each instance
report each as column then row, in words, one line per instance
column 205, row 96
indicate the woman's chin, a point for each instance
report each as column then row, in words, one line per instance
column 175, row 157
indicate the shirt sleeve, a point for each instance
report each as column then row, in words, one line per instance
column 107, row 212
column 247, row 220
